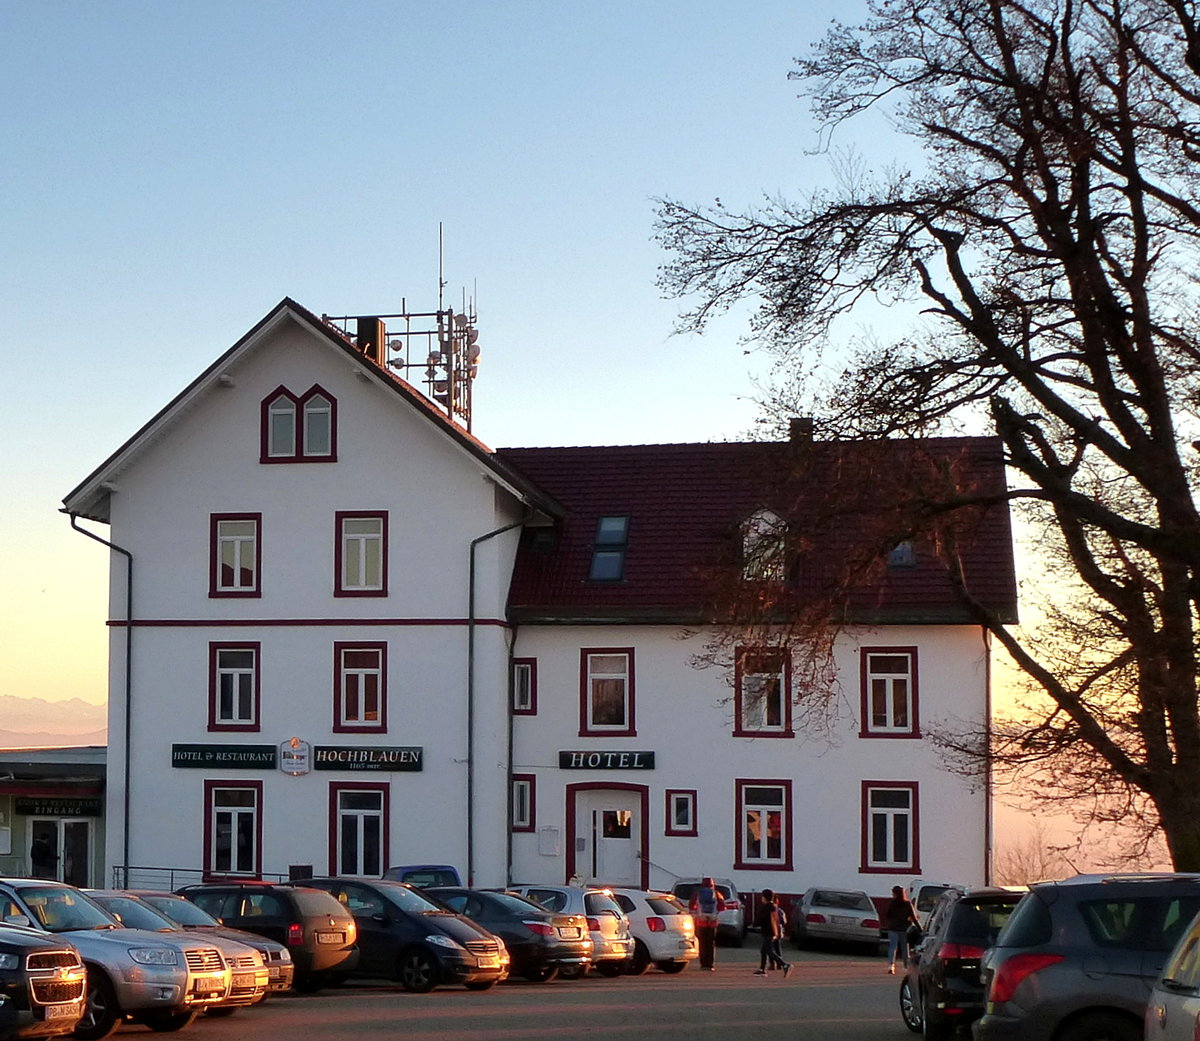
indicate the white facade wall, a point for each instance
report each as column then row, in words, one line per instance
column 437, row 498
column 685, row 716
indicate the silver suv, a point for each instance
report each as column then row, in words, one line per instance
column 147, row 977
column 1077, row 958
column 612, row 942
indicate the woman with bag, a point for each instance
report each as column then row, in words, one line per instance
column 706, row 905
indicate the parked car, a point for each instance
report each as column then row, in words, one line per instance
column 539, row 942
column 732, row 925
column 148, row 978
column 664, row 934
column 43, row 985
column 838, row 915
column 1078, row 958
column 612, row 942
column 405, row 936
column 1173, row 1013
column 942, row 989
column 183, row 912
column 318, row 931
column 423, row 876
column 247, row 969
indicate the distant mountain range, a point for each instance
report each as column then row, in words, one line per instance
column 37, row 723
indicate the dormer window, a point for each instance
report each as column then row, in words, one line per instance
column 902, row 555
column 299, row 429
column 764, row 547
column 608, row 551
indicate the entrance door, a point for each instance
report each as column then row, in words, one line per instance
column 608, row 835
column 61, row 848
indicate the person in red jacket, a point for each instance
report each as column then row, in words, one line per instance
column 706, row 905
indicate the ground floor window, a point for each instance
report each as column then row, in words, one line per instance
column 233, row 827
column 889, row 828
column 359, row 813
column 764, row 813
column 524, row 817
column 681, row 812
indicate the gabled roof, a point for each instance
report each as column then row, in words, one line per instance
column 687, row 505
column 91, row 498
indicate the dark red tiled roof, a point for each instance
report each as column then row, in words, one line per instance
column 687, row 504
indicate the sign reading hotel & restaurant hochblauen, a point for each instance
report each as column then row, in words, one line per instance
column 367, row 757
column 233, row 757
column 605, row 760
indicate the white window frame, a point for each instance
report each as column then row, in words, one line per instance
column 240, row 546
column 317, row 409
column 243, row 682
column 232, row 818
column 524, row 698
column 755, row 810
column 764, row 545
column 368, row 825
column 751, row 704
column 593, row 676
column 361, row 675
column 281, row 426
column 356, row 555
column 885, row 687
column 685, row 800
column 524, row 795
column 883, row 824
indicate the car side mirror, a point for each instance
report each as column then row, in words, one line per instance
column 18, row 919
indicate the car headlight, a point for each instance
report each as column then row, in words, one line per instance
column 442, row 941
column 154, row 955
column 10, row 961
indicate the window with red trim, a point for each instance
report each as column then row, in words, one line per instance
column 299, row 428
column 235, row 553
column 358, row 824
column 360, row 687
column 606, row 702
column 361, row 554
column 681, row 812
column 233, row 686
column 762, row 693
column 889, row 826
column 889, row 692
column 233, row 828
column 764, row 829
column 524, row 691
column 524, row 802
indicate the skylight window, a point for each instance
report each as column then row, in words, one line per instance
column 608, row 551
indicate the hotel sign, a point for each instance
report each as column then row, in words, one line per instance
column 228, row 757
column 605, row 760
column 367, row 757
column 57, row 806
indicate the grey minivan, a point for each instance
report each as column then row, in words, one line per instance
column 1077, row 958
column 1174, row 1010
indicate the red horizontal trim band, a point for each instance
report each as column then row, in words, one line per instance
column 227, row 623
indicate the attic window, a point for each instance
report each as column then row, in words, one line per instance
column 608, row 551
column 764, row 547
column 299, row 428
column 902, row 555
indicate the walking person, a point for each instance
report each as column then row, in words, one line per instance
column 898, row 916
column 770, row 929
column 706, row 904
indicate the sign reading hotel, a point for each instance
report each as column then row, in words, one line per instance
column 229, row 757
column 369, row 757
column 606, row 760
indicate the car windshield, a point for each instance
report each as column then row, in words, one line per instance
column 843, row 901
column 60, row 910
column 134, row 914
column 182, row 912
column 411, row 900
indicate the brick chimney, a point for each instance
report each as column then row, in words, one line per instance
column 800, row 429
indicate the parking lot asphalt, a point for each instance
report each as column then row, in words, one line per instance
column 829, row 995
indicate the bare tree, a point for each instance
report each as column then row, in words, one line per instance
column 1051, row 243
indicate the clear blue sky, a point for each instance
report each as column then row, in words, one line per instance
column 173, row 168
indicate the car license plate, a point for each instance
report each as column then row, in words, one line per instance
column 205, row 984
column 62, row 1011
column 490, row 962
column 841, row 919
column 246, row 980
column 569, row 932
column 329, row 937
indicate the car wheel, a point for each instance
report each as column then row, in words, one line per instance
column 609, row 968
column 481, row 984
column 219, row 1011
column 542, row 974
column 169, row 1022
column 308, row 982
column 418, row 972
column 1102, row 1026
column 641, row 959
column 671, row 967
column 101, row 1016
column 910, row 1011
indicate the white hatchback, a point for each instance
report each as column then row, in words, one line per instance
column 663, row 931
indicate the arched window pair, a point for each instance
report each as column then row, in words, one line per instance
column 299, row 429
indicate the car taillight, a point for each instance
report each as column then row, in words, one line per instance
column 816, row 919
column 541, row 928
column 1013, row 971
column 870, row 923
column 295, row 935
column 656, row 925
column 594, row 925
column 732, row 905
column 959, row 952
